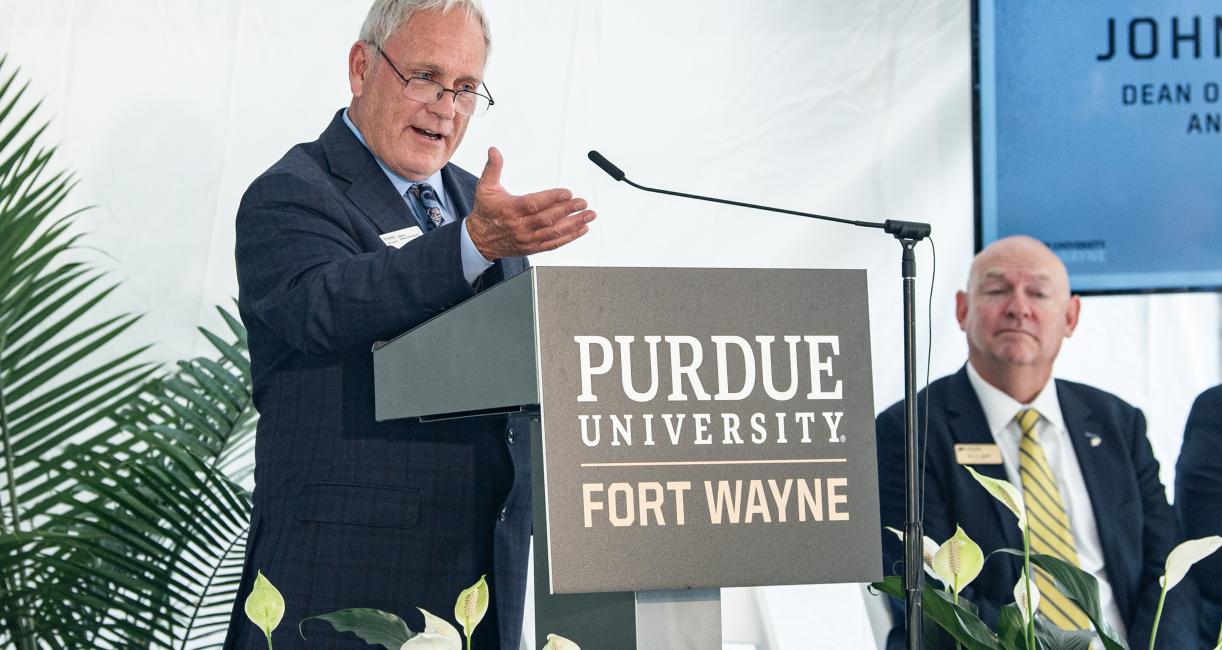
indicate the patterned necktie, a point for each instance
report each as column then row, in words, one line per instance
column 1048, row 523
column 424, row 193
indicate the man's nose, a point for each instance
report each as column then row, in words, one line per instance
column 444, row 106
column 1019, row 306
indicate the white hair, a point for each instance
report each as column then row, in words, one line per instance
column 385, row 16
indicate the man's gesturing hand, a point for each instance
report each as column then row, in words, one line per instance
column 504, row 225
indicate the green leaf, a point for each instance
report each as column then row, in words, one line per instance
column 265, row 606
column 374, row 626
column 1052, row 637
column 471, row 605
column 118, row 526
column 1011, row 626
column 59, row 378
column 958, row 619
column 1080, row 587
column 231, row 352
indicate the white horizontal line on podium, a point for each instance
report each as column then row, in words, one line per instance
column 781, row 461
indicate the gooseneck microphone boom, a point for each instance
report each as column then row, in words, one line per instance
column 908, row 233
column 900, row 229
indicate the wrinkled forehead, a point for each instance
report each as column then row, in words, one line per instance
column 1019, row 264
column 1011, row 275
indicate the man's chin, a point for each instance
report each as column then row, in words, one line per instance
column 418, row 169
column 1018, row 357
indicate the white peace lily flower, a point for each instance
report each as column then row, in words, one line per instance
column 958, row 561
column 472, row 605
column 1020, row 596
column 438, row 634
column 264, row 606
column 557, row 642
column 1185, row 555
column 928, row 550
column 1006, row 493
column 430, row 641
column 437, row 625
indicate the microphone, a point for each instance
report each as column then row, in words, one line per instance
column 909, row 233
column 902, row 230
column 605, row 165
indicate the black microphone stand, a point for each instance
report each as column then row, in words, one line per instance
column 909, row 233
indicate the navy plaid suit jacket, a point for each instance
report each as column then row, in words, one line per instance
column 350, row 512
column 1137, row 527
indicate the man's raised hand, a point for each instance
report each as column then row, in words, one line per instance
column 504, row 225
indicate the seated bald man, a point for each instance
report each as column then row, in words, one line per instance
column 1080, row 456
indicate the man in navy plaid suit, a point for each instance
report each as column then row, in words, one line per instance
column 357, row 237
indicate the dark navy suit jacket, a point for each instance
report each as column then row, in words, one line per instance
column 1137, row 528
column 1198, row 502
column 350, row 512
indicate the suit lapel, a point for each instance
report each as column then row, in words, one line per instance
column 1097, row 468
column 368, row 188
column 376, row 198
column 969, row 426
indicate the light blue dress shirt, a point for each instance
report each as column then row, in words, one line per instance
column 473, row 262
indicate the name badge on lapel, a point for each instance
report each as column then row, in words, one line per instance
column 978, row 454
column 400, row 237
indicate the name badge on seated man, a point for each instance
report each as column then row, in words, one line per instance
column 977, row 454
column 400, row 237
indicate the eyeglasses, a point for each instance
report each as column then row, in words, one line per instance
column 427, row 91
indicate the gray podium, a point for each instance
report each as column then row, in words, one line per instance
column 693, row 429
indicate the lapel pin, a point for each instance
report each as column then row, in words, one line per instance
column 1094, row 439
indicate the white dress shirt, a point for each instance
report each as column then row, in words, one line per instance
column 999, row 412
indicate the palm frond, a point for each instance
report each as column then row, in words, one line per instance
column 61, row 375
column 152, row 519
column 123, row 514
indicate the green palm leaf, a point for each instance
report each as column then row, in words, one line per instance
column 60, row 376
column 122, row 514
column 152, row 504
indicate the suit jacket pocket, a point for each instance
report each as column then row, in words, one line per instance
column 378, row 506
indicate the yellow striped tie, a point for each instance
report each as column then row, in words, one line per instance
column 1048, row 523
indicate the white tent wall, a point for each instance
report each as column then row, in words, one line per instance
column 167, row 110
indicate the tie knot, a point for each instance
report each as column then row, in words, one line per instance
column 423, row 191
column 1027, row 418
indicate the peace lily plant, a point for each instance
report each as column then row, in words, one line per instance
column 958, row 561
column 265, row 608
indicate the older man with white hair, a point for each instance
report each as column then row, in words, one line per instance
column 1080, row 455
column 357, row 237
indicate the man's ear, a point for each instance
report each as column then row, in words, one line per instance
column 1071, row 314
column 358, row 67
column 961, row 309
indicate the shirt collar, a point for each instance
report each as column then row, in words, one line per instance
column 401, row 184
column 1000, row 408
